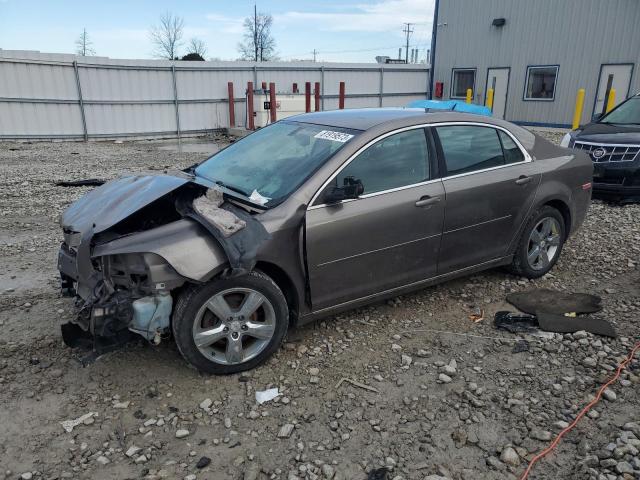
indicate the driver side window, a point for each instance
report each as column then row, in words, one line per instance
column 398, row 160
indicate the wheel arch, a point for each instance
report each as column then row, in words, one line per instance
column 284, row 282
column 555, row 202
column 564, row 210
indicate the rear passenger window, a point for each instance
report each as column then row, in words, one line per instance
column 399, row 160
column 468, row 148
column 512, row 153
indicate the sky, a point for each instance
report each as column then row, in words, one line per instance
column 342, row 31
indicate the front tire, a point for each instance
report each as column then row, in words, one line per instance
column 230, row 325
column 540, row 245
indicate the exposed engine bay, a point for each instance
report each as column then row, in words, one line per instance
column 131, row 244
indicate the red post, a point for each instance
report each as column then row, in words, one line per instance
column 317, row 95
column 307, row 97
column 250, row 106
column 295, row 88
column 232, row 109
column 264, row 85
column 272, row 101
column 341, row 99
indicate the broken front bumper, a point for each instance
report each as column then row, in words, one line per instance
column 107, row 310
column 68, row 267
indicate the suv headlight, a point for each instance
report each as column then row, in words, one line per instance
column 566, row 140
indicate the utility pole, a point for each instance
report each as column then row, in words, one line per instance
column 315, row 52
column 408, row 31
column 255, row 31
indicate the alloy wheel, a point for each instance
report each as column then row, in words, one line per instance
column 544, row 242
column 234, row 325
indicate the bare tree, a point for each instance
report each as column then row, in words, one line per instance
column 197, row 46
column 84, row 46
column 259, row 45
column 167, row 36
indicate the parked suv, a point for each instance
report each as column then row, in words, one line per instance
column 613, row 142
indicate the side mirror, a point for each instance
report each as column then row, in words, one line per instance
column 352, row 188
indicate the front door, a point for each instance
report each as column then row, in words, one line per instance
column 498, row 79
column 387, row 237
column 490, row 186
column 612, row 76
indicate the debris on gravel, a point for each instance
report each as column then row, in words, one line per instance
column 410, row 386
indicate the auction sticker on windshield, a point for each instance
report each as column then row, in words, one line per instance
column 333, row 136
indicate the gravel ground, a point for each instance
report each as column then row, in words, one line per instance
column 446, row 399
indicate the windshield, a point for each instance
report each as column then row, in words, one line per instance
column 627, row 113
column 268, row 165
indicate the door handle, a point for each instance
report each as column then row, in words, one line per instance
column 427, row 201
column 523, row 180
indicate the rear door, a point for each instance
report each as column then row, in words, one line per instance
column 490, row 184
column 387, row 237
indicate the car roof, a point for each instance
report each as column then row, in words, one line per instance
column 390, row 118
column 366, row 118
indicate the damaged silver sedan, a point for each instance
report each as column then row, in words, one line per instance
column 310, row 216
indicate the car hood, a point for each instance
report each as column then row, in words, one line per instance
column 605, row 133
column 114, row 201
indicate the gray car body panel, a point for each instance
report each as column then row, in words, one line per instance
column 184, row 244
column 116, row 200
column 299, row 242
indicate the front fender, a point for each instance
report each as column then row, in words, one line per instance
column 184, row 244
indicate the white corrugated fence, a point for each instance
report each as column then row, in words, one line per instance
column 60, row 96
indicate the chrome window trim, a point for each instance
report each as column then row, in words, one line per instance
column 527, row 159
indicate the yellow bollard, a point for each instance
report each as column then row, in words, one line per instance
column 611, row 100
column 577, row 113
column 490, row 99
column 469, row 95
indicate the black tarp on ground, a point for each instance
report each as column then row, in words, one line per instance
column 543, row 300
column 549, row 322
column 545, row 310
column 563, row 324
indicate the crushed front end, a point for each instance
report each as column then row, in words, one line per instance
column 132, row 243
column 117, row 294
column 124, row 294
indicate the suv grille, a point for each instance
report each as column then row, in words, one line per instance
column 603, row 153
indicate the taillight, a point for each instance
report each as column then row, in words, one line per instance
column 586, row 186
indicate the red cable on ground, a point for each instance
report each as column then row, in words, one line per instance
column 555, row 442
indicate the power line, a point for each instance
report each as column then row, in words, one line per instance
column 408, row 31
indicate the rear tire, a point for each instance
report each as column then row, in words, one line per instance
column 230, row 325
column 540, row 244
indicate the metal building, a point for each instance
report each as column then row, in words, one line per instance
column 536, row 54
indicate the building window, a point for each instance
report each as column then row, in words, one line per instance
column 462, row 79
column 541, row 83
